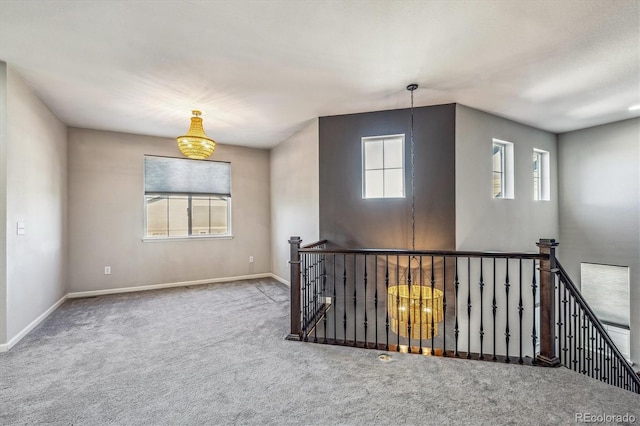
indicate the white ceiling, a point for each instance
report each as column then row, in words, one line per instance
column 260, row 70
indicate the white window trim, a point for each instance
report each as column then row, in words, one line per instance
column 508, row 182
column 226, row 236
column 366, row 139
column 544, row 179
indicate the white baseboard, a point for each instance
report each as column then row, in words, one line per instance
column 282, row 280
column 34, row 324
column 92, row 293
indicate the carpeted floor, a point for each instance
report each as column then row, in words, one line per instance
column 216, row 354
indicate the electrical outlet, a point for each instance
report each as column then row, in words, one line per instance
column 107, row 270
column 250, row 259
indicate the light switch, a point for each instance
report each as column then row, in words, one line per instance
column 21, row 228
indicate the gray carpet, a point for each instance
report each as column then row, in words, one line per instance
column 215, row 354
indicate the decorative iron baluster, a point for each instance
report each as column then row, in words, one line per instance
column 565, row 349
column 324, row 292
column 520, row 309
column 579, row 344
column 507, row 335
column 456, row 330
column 534, row 336
column 386, row 284
column 433, row 283
column 398, row 301
column 559, row 323
column 305, row 304
column 355, row 301
column 409, row 307
column 607, row 363
column 421, row 305
column 576, row 336
column 344, row 292
column 375, row 296
column 585, row 345
column 365, row 301
column 481, row 309
column 316, row 291
column 444, row 305
column 594, row 354
column 569, row 329
column 335, row 301
column 468, row 307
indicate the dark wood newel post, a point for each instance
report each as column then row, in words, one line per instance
column 548, row 271
column 294, row 280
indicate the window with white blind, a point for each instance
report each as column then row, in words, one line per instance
column 186, row 198
column 606, row 290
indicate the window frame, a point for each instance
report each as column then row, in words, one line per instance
column 190, row 235
column 543, row 192
column 228, row 197
column 382, row 138
column 507, row 182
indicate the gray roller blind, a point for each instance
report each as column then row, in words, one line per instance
column 180, row 175
column 606, row 289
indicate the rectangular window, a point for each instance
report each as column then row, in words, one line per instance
column 186, row 198
column 383, row 167
column 502, row 179
column 606, row 290
column 541, row 179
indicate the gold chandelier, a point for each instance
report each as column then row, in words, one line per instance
column 417, row 306
column 195, row 144
column 414, row 309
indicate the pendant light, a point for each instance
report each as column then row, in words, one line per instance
column 414, row 310
column 195, row 144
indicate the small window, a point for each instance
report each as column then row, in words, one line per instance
column 541, row 180
column 186, row 198
column 502, row 159
column 383, row 167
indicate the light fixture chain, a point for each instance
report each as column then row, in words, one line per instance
column 413, row 185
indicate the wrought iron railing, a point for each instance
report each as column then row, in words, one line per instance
column 583, row 342
column 506, row 307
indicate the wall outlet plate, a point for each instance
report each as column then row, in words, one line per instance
column 107, row 270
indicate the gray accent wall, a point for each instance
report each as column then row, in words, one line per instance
column 35, row 155
column 294, row 195
column 106, row 208
column 483, row 222
column 348, row 220
column 600, row 205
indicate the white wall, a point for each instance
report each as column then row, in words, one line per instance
column 600, row 204
column 36, row 190
column 294, row 194
column 106, row 207
column 482, row 222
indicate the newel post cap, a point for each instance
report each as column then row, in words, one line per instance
column 547, row 242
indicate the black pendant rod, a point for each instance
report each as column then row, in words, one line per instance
column 411, row 88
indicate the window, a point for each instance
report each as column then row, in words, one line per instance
column 502, row 159
column 541, row 183
column 186, row 198
column 383, row 167
column 606, row 290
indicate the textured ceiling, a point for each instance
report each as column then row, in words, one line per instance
column 262, row 69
